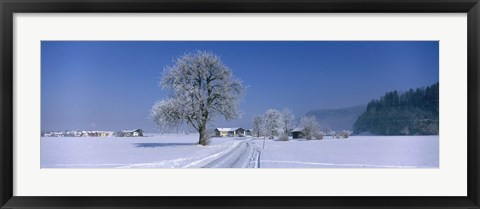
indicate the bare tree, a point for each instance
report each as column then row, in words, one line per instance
column 201, row 88
column 273, row 123
column 310, row 126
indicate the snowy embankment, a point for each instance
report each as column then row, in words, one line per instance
column 354, row 152
column 158, row 151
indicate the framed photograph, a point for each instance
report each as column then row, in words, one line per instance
column 264, row 104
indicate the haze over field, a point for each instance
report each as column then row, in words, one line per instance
column 338, row 119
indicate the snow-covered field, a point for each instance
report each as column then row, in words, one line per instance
column 159, row 151
column 181, row 151
column 354, row 152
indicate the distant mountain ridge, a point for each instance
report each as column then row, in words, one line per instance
column 338, row 119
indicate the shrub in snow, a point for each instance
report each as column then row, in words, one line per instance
column 343, row 134
column 318, row 135
column 201, row 88
column 283, row 137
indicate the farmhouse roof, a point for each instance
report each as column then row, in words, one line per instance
column 228, row 129
column 297, row 130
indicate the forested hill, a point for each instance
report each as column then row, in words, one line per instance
column 414, row 112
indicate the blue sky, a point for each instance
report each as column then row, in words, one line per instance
column 111, row 85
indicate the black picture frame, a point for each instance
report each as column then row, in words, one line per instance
column 9, row 7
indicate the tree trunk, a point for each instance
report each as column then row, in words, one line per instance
column 203, row 138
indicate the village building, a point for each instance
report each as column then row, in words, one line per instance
column 77, row 134
column 230, row 132
column 105, row 133
column 130, row 133
column 248, row 132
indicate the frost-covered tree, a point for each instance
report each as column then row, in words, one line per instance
column 288, row 119
column 310, row 126
column 343, row 134
column 258, row 126
column 272, row 123
column 201, row 88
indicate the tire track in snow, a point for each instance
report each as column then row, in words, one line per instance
column 242, row 156
column 214, row 156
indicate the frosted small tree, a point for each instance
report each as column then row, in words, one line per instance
column 343, row 134
column 258, row 126
column 201, row 88
column 310, row 126
column 272, row 123
column 288, row 119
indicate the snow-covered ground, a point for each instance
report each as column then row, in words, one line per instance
column 182, row 151
column 157, row 151
column 354, row 152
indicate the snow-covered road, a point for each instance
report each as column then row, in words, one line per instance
column 244, row 155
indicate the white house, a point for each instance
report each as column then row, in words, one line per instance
column 230, row 132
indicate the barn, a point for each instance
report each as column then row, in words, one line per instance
column 297, row 133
